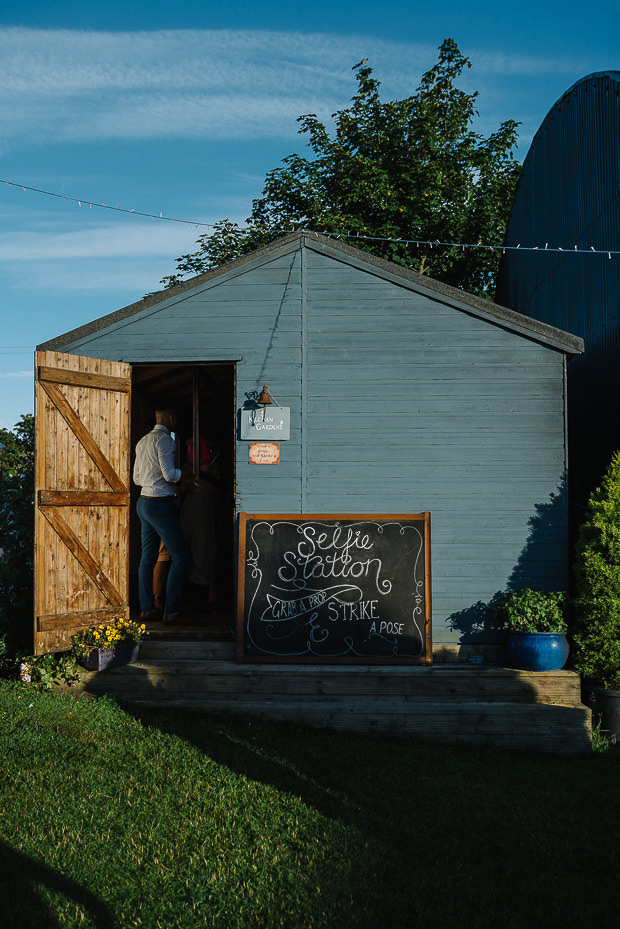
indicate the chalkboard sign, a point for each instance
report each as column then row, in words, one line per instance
column 346, row 588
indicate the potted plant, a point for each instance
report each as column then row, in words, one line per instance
column 536, row 622
column 108, row 646
column 596, row 637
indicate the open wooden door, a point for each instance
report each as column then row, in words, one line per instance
column 82, row 430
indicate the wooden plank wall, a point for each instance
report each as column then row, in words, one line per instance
column 399, row 403
column 252, row 316
column 415, row 405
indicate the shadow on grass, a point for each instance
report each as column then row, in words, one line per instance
column 438, row 829
column 24, row 884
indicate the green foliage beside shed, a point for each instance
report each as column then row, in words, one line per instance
column 533, row 610
column 597, row 607
column 16, row 533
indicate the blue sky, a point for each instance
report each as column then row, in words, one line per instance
column 183, row 108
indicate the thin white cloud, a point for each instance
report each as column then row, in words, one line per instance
column 126, row 280
column 143, row 238
column 62, row 85
column 126, row 257
column 501, row 63
column 16, row 373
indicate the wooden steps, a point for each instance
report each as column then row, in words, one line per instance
column 446, row 702
column 552, row 728
column 410, row 685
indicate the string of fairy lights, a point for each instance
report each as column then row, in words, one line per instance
column 427, row 243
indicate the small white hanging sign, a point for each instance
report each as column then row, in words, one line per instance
column 271, row 423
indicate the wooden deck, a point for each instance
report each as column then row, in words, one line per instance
column 446, row 702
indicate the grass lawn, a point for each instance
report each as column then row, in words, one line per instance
column 114, row 818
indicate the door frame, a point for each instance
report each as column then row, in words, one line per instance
column 231, row 480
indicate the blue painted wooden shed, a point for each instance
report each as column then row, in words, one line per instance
column 405, row 396
column 567, row 197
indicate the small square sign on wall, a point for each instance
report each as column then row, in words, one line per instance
column 271, row 423
column 264, row 453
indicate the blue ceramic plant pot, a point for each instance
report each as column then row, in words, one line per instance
column 538, row 651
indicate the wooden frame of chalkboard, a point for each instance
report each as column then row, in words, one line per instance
column 334, row 588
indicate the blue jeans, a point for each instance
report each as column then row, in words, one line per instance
column 159, row 519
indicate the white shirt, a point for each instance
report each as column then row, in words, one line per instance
column 154, row 468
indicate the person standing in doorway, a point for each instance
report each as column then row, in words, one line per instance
column 155, row 472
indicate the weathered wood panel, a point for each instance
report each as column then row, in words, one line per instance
column 444, row 411
column 196, row 677
column 82, row 494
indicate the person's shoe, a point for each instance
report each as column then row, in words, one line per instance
column 172, row 619
column 150, row 615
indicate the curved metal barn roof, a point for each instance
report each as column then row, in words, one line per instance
column 569, row 196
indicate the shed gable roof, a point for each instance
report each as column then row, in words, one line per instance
column 339, row 251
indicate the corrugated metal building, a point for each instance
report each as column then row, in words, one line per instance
column 405, row 396
column 569, row 195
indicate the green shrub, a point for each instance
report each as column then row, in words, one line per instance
column 533, row 610
column 44, row 671
column 596, row 638
column 17, row 534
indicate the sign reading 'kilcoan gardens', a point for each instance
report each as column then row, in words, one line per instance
column 272, row 424
column 327, row 588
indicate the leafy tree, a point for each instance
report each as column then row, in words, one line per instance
column 403, row 169
column 597, row 573
column 17, row 533
column 17, row 445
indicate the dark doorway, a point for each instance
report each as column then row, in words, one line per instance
column 203, row 396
